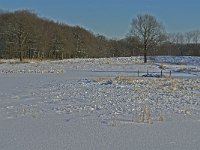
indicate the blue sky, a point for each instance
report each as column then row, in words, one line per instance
column 113, row 17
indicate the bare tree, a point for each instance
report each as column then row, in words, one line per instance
column 180, row 38
column 171, row 37
column 17, row 33
column 184, row 38
column 188, row 37
column 196, row 36
column 148, row 31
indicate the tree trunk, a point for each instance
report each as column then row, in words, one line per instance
column 145, row 52
column 20, row 56
column 145, row 57
column 62, row 55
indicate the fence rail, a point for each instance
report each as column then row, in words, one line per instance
column 147, row 73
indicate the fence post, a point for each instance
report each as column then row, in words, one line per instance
column 170, row 73
column 138, row 73
column 161, row 74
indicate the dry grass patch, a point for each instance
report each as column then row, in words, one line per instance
column 1, row 62
column 99, row 79
column 144, row 115
column 129, row 79
column 19, row 62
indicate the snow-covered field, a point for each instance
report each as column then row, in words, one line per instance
column 100, row 104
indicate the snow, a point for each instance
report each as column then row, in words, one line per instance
column 98, row 104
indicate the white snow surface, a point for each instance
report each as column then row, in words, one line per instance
column 97, row 104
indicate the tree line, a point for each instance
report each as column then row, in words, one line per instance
column 23, row 34
column 181, row 44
